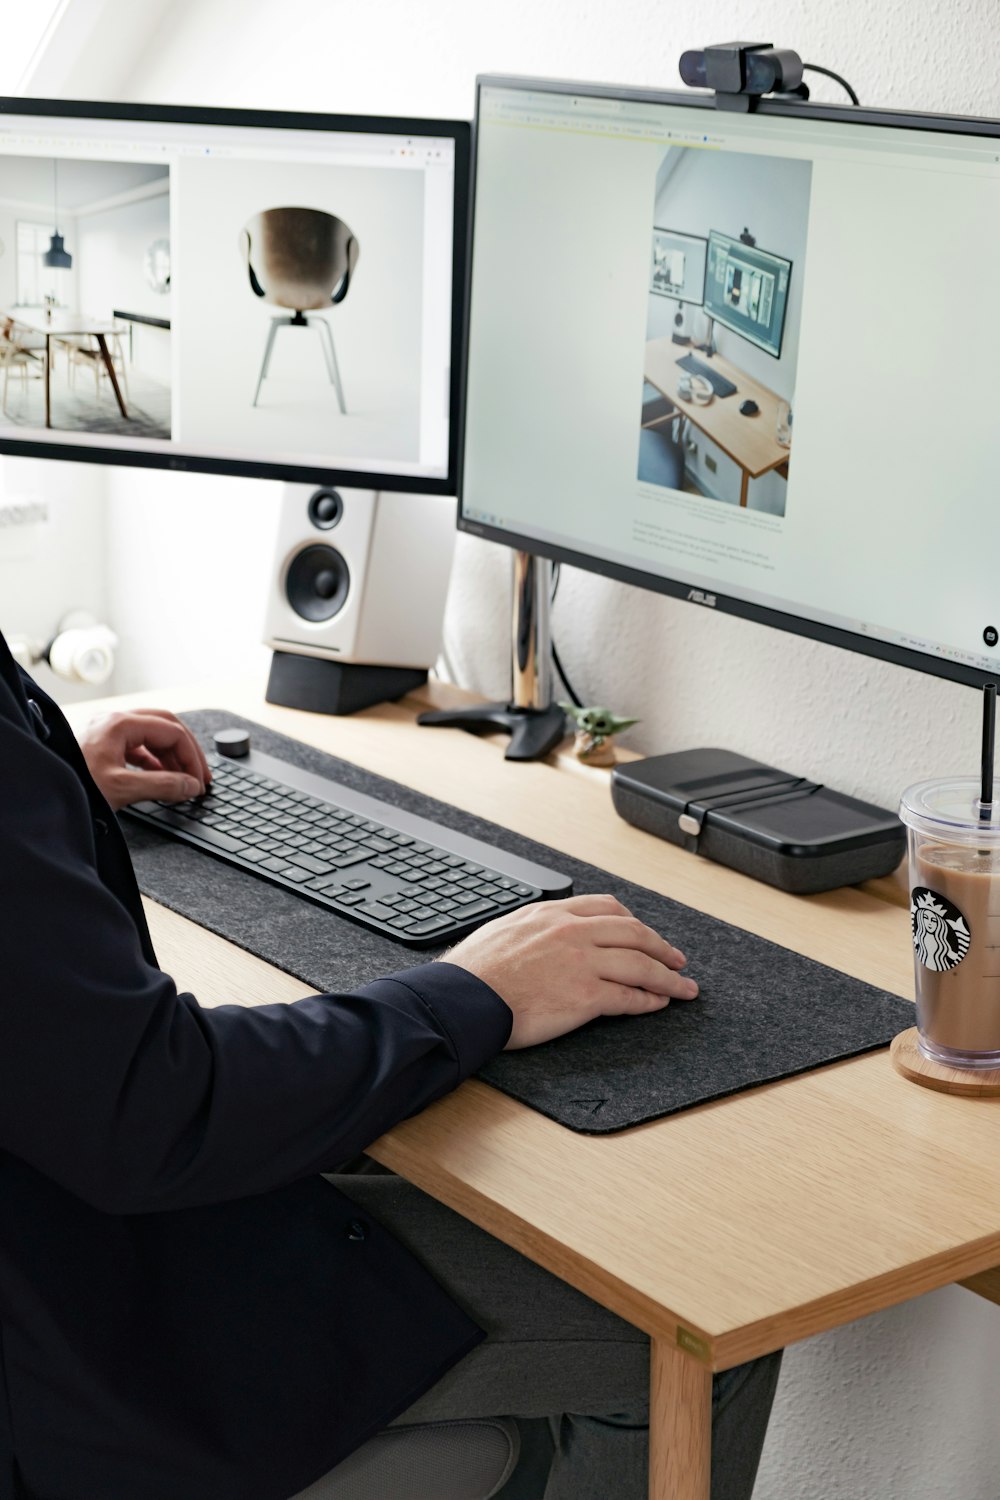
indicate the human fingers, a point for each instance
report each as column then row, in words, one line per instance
column 595, row 904
column 145, row 759
column 629, row 932
column 631, row 969
column 169, row 739
column 122, row 785
column 190, row 738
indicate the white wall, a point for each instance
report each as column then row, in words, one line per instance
column 901, row 1405
column 52, row 553
column 110, row 250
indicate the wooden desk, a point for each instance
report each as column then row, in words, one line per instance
column 749, row 441
column 64, row 324
column 726, row 1231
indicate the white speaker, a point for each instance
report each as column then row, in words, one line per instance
column 359, row 584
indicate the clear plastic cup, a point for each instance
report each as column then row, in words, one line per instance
column 954, row 865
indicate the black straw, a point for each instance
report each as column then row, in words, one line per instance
column 989, row 741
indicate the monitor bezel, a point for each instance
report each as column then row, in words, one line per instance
column 741, row 333
column 458, row 131
column 830, row 635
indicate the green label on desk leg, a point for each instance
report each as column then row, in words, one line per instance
column 691, row 1343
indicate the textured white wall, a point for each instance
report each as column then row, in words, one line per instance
column 56, row 565
column 902, row 1404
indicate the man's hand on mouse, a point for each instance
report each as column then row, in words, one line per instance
column 559, row 964
column 147, row 753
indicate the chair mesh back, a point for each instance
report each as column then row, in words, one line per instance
column 439, row 1461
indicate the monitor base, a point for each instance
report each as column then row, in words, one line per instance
column 534, row 732
column 336, row 687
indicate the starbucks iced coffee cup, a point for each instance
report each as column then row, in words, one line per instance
column 954, row 864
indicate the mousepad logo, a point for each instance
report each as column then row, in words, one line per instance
column 941, row 935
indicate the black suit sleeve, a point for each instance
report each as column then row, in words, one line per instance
column 133, row 1096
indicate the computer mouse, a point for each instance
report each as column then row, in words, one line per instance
column 749, row 408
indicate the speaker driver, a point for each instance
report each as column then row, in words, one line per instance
column 325, row 509
column 318, row 583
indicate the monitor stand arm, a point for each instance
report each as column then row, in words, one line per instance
column 535, row 724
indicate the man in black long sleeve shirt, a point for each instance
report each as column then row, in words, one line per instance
column 187, row 1310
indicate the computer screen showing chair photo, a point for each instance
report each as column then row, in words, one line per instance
column 730, row 346
column 231, row 292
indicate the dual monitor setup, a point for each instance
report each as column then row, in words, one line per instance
column 414, row 310
column 735, row 282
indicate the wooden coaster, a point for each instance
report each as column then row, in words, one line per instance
column 972, row 1083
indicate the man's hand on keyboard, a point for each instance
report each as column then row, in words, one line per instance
column 558, row 964
column 147, row 753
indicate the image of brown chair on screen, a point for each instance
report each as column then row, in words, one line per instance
column 302, row 259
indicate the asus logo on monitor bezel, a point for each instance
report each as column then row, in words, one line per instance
column 698, row 596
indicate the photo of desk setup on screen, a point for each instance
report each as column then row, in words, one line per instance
column 717, row 417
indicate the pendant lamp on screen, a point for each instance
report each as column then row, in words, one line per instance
column 57, row 254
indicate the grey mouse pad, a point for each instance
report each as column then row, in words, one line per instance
column 764, row 1012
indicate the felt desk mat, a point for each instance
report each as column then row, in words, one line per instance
column 763, row 1013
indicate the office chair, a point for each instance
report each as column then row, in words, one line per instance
column 300, row 258
column 436, row 1461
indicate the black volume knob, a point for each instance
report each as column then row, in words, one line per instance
column 232, row 742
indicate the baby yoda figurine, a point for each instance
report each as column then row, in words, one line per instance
column 594, row 728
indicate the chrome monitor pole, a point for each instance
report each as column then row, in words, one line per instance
column 535, row 724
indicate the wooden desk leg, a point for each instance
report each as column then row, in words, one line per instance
column 744, row 485
column 109, row 365
column 48, row 374
column 680, row 1425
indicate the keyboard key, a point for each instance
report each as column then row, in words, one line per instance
column 357, row 884
column 377, row 910
column 342, row 861
column 350, row 898
column 401, row 920
column 470, row 913
column 431, row 924
column 310, row 863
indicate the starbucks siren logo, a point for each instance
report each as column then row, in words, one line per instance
column 941, row 935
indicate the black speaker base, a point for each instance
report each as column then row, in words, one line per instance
column 336, row 687
column 533, row 731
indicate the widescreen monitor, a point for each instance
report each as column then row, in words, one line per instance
column 746, row 290
column 838, row 489
column 233, row 291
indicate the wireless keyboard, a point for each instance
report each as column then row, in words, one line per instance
column 402, row 875
column 720, row 385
